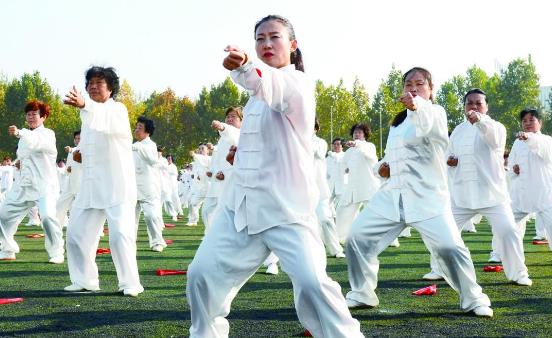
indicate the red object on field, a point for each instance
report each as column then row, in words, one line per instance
column 10, row 300
column 493, row 268
column 427, row 291
column 34, row 235
column 540, row 242
column 169, row 225
column 160, row 272
column 169, row 241
column 103, row 251
column 307, row 333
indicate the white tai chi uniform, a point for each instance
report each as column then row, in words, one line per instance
column 37, row 186
column 108, row 190
column 166, row 188
column 532, row 188
column 200, row 185
column 148, row 182
column 478, row 186
column 172, row 171
column 336, row 177
column 415, row 194
column 228, row 137
column 323, row 210
column 184, row 187
column 361, row 184
column 71, row 188
column 271, row 208
column 7, row 174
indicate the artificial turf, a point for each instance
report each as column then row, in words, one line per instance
column 264, row 307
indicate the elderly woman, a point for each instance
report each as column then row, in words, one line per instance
column 414, row 192
column 38, row 185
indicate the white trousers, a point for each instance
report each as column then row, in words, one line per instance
column 12, row 213
column 543, row 217
column 196, row 201
column 271, row 259
column 508, row 241
column 64, row 203
column 372, row 233
column 328, row 229
column 176, row 200
column 345, row 215
column 82, row 243
column 154, row 220
column 215, row 276
column 208, row 210
column 34, row 217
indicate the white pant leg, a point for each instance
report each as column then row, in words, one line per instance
column 53, row 231
column 345, row 215
column 63, row 205
column 540, row 228
column 328, row 228
column 406, row 232
column 546, row 218
column 82, row 242
column 195, row 206
column 319, row 303
column 34, row 218
column 176, row 200
column 170, row 208
column 122, row 242
column 271, row 259
column 154, row 221
column 11, row 214
column 371, row 234
column 207, row 211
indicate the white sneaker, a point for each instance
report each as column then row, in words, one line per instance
column 483, row 311
column 340, row 255
column 395, row 243
column 131, row 292
column 539, row 238
column 157, row 248
column 191, row 224
column 57, row 260
column 494, row 257
column 525, row 281
column 272, row 269
column 7, row 256
column 175, row 219
column 353, row 304
column 432, row 276
column 78, row 288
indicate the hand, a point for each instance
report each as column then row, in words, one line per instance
column 384, row 170
column 17, row 164
column 408, row 100
column 217, row 125
column 209, row 174
column 67, row 149
column 350, row 144
column 192, row 153
column 220, row 176
column 210, row 146
column 74, row 98
column 13, row 131
column 69, row 169
column 235, row 58
column 346, row 170
column 516, row 169
column 473, row 116
column 231, row 154
column 77, row 156
column 522, row 136
column 452, row 161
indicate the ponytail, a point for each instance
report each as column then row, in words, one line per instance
column 399, row 118
column 297, row 60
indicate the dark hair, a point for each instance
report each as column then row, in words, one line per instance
column 160, row 148
column 401, row 116
column 296, row 56
column 43, row 108
column 362, row 126
column 148, row 125
column 532, row 111
column 7, row 157
column 108, row 74
column 338, row 139
column 475, row 91
column 236, row 109
column 316, row 125
column 76, row 133
column 171, row 156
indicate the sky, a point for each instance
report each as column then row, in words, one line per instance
column 179, row 44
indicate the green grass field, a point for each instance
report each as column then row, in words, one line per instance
column 264, row 307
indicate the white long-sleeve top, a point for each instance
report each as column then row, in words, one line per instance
column 362, row 184
column 73, row 178
column 108, row 177
column 146, row 161
column 228, row 137
column 7, row 173
column 414, row 152
column 320, row 148
column 336, row 172
column 479, row 180
column 200, row 166
column 172, row 170
column 37, row 153
column 273, row 181
column 531, row 190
